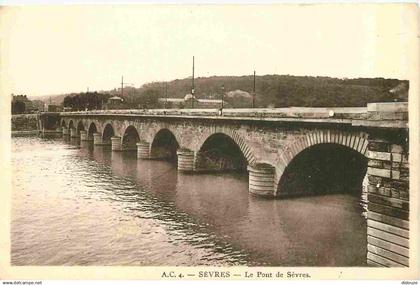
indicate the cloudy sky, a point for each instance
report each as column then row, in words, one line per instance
column 60, row 49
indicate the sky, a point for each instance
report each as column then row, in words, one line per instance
column 49, row 50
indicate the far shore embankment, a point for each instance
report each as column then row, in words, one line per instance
column 25, row 124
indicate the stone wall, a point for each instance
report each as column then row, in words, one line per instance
column 25, row 122
column 388, row 200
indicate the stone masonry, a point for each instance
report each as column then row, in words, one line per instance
column 388, row 200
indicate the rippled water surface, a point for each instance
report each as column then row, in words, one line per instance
column 75, row 204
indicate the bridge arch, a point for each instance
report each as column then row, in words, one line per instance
column 107, row 133
column 220, row 152
column 91, row 130
column 71, row 124
column 235, row 137
column 164, row 145
column 321, row 149
column 80, row 127
column 130, row 138
column 63, row 124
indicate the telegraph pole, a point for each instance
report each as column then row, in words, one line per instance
column 87, row 93
column 253, row 93
column 223, row 96
column 166, row 94
column 192, row 89
column 122, row 86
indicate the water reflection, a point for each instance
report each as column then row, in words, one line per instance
column 111, row 208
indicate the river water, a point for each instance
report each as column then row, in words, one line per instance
column 75, row 204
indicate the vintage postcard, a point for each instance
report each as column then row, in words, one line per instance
column 209, row 142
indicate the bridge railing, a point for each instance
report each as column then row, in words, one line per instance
column 374, row 111
column 244, row 112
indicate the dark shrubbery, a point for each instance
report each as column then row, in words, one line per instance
column 83, row 101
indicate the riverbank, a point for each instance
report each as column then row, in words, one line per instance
column 25, row 133
column 24, row 124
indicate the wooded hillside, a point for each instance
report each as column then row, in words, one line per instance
column 273, row 91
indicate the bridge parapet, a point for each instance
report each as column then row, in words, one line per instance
column 384, row 115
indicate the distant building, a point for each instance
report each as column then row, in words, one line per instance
column 187, row 102
column 210, row 103
column 114, row 102
column 54, row 108
column 38, row 105
column 21, row 104
column 171, row 102
column 400, row 92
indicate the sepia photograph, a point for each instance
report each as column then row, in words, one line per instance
column 191, row 141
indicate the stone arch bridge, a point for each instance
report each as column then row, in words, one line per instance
column 266, row 143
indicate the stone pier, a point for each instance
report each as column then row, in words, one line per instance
column 186, row 160
column 97, row 139
column 143, row 150
column 116, row 144
column 65, row 131
column 388, row 203
column 83, row 136
column 73, row 133
column 261, row 179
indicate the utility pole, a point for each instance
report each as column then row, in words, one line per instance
column 122, row 86
column 192, row 89
column 223, row 96
column 166, row 94
column 253, row 93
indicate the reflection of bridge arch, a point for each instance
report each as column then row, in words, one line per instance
column 130, row 138
column 339, row 142
column 107, row 133
column 164, row 145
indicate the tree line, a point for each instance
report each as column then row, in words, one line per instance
column 83, row 101
column 284, row 90
column 271, row 91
